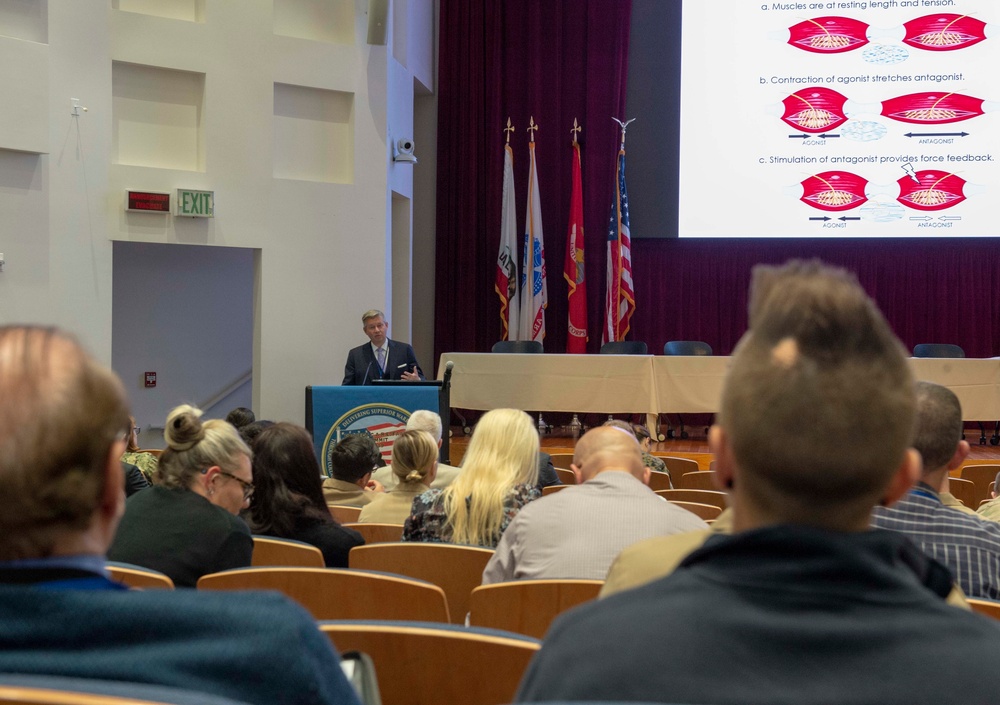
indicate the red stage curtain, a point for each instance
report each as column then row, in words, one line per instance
column 554, row 61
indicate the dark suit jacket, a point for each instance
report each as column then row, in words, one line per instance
column 362, row 368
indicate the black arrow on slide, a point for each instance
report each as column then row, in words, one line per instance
column 845, row 218
column 936, row 134
column 829, row 137
column 798, row 137
column 819, row 218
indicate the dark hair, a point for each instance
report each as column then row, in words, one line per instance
column 240, row 417
column 249, row 432
column 286, row 477
column 640, row 432
column 353, row 457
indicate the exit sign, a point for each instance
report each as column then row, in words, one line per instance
column 195, row 204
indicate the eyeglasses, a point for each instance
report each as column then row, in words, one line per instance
column 247, row 486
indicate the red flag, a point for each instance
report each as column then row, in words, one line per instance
column 506, row 284
column 576, row 340
column 620, row 301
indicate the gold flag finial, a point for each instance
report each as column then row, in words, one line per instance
column 510, row 128
column 624, row 126
column 531, row 128
column 575, row 129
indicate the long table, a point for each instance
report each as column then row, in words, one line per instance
column 653, row 384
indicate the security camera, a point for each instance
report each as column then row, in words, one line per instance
column 402, row 151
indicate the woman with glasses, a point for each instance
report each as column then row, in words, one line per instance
column 146, row 462
column 288, row 502
column 187, row 525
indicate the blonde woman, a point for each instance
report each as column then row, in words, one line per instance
column 414, row 465
column 499, row 476
column 187, row 524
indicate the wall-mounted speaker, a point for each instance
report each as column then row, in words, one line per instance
column 378, row 21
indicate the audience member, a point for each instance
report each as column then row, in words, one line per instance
column 645, row 443
column 421, row 420
column 288, row 495
column 60, row 613
column 146, row 462
column 968, row 545
column 814, row 430
column 134, row 479
column 991, row 510
column 499, row 476
column 577, row 532
column 250, row 432
column 414, row 463
column 240, row 417
column 187, row 524
column 352, row 461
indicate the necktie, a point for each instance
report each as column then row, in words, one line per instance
column 381, row 360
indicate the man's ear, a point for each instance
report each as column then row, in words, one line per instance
column 645, row 475
column 363, row 482
column 962, row 451
column 905, row 477
column 718, row 444
column 577, row 473
column 113, row 496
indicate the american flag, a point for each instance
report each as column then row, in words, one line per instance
column 620, row 300
column 385, row 435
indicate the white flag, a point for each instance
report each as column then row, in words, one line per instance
column 534, row 292
column 507, row 284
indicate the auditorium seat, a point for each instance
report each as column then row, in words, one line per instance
column 678, row 466
column 528, row 606
column 270, row 550
column 377, row 533
column 20, row 689
column 717, row 499
column 937, row 350
column 702, row 480
column 982, row 476
column 137, row 577
column 964, row 491
column 707, row 512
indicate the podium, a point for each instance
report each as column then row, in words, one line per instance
column 381, row 410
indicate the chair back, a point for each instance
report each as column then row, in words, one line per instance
column 520, row 347
column 702, row 480
column 330, row 593
column 659, row 481
column 624, row 347
column 427, row 664
column 566, row 475
column 552, row 489
column 528, row 606
column 982, row 476
column 22, row 689
column 561, row 461
column 964, row 491
column 344, row 514
column 377, row 533
column 678, row 466
column 156, row 452
column 455, row 569
column 137, row 577
column 708, row 512
column 270, row 550
column 990, row 608
column 937, row 350
column 715, row 498
column 687, row 347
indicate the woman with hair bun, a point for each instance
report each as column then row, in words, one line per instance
column 288, row 502
column 414, row 465
column 187, row 525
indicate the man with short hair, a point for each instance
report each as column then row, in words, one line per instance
column 803, row 603
column 352, row 461
column 968, row 545
column 61, row 416
column 578, row 531
column 991, row 510
column 421, row 420
column 380, row 358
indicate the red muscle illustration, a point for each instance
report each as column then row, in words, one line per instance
column 935, row 191
column 814, row 109
column 828, row 35
column 834, row 191
column 932, row 108
column 944, row 32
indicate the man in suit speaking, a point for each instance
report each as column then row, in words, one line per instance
column 381, row 358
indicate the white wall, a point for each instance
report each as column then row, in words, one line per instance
column 322, row 241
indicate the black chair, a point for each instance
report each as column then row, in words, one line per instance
column 937, row 350
column 624, row 347
column 517, row 346
column 685, row 347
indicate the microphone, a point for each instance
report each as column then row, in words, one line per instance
column 448, row 367
column 367, row 370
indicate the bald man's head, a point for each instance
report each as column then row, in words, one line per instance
column 608, row 448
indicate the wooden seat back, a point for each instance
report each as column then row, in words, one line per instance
column 377, row 533
column 528, row 606
column 139, row 578
column 270, row 550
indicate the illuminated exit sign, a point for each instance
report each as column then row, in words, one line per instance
column 195, row 204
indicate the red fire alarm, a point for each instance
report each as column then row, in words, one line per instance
column 150, row 379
